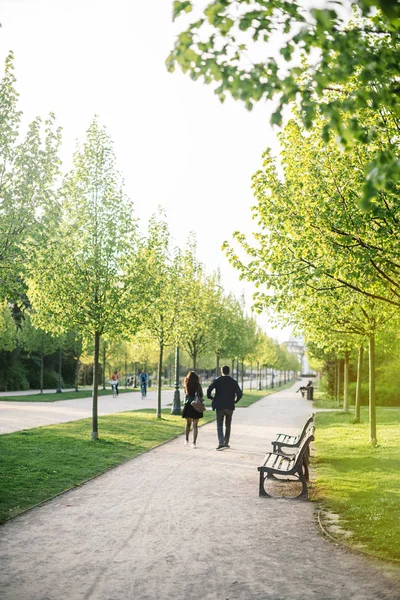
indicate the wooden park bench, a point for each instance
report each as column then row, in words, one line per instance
column 291, row 441
column 283, row 467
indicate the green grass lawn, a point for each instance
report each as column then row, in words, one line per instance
column 322, row 400
column 39, row 463
column 361, row 483
column 54, row 397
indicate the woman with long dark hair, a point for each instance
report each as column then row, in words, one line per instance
column 192, row 389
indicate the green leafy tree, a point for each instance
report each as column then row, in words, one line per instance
column 163, row 268
column 84, row 279
column 199, row 318
column 28, row 172
column 315, row 239
column 8, row 328
column 223, row 320
column 284, row 51
column 312, row 228
column 247, row 341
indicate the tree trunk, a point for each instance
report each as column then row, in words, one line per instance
column 41, row 371
column 338, row 382
column 242, row 378
column 237, row 370
column 251, row 376
column 334, row 379
column 160, row 363
column 217, row 372
column 126, row 371
column 104, row 365
column 358, row 388
column 259, row 376
column 233, row 367
column 135, row 373
column 194, row 360
column 59, row 387
column 95, row 434
column 346, row 382
column 372, row 406
column 77, row 374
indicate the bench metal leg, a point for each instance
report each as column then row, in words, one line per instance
column 261, row 491
column 306, row 469
column 304, row 489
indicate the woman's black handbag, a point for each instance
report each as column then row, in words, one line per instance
column 198, row 404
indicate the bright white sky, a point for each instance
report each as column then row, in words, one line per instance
column 176, row 145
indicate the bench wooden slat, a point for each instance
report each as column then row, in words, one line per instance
column 290, row 441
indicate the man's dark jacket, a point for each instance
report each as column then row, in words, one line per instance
column 226, row 389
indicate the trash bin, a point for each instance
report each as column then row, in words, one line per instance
column 310, row 393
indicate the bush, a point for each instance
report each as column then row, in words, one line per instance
column 50, row 379
column 387, row 394
column 13, row 377
column 364, row 393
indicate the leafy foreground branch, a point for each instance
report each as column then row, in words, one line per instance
column 40, row 463
column 359, row 482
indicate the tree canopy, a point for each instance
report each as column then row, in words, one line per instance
column 257, row 50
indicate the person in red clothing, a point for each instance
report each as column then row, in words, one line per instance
column 115, row 377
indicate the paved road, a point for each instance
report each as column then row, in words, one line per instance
column 183, row 524
column 15, row 416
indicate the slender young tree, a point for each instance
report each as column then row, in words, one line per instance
column 163, row 268
column 36, row 341
column 84, row 278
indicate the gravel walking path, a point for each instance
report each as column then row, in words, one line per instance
column 187, row 524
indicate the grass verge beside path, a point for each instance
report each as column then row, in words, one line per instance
column 54, row 397
column 37, row 464
column 361, row 483
column 322, row 400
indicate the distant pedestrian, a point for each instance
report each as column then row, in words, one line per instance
column 115, row 378
column 192, row 388
column 143, row 380
column 227, row 393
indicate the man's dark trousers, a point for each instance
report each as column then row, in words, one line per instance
column 224, row 413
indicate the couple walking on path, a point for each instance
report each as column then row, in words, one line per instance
column 226, row 394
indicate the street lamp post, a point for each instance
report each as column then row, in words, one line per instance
column 176, row 407
column 59, row 390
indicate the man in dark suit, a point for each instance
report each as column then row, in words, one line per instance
column 227, row 393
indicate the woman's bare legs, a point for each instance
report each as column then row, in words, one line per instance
column 187, row 430
column 195, row 431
